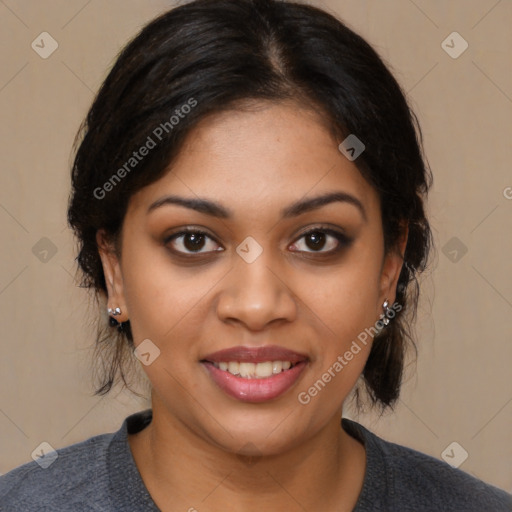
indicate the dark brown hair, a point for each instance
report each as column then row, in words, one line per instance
column 220, row 53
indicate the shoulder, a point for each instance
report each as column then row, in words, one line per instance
column 439, row 484
column 79, row 470
column 416, row 481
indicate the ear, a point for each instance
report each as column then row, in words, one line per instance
column 391, row 268
column 113, row 275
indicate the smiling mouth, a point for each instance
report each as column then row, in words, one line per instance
column 255, row 374
column 248, row 370
column 246, row 386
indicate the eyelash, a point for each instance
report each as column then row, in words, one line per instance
column 343, row 241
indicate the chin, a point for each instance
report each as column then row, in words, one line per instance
column 259, row 432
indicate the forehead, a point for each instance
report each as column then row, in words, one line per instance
column 265, row 156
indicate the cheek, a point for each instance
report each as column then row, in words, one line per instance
column 154, row 290
column 341, row 315
column 163, row 301
column 342, row 300
column 342, row 349
column 343, row 304
column 171, row 306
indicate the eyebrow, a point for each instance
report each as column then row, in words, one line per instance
column 214, row 209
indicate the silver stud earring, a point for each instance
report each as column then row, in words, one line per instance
column 385, row 316
column 112, row 321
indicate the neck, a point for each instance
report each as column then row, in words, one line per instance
column 183, row 471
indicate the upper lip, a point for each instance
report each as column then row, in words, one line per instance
column 255, row 355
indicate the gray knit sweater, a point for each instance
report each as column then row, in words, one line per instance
column 100, row 475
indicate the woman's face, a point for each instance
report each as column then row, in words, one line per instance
column 255, row 279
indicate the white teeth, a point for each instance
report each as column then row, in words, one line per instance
column 254, row 370
column 233, row 367
column 264, row 369
column 246, row 369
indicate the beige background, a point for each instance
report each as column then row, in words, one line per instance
column 461, row 390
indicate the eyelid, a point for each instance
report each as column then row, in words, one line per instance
column 325, row 228
column 189, row 229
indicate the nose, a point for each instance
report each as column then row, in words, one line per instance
column 256, row 294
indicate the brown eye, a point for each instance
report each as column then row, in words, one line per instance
column 192, row 242
column 319, row 239
column 315, row 240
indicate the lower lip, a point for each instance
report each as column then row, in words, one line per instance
column 255, row 390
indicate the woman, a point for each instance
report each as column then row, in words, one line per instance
column 248, row 197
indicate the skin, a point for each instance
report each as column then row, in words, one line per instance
column 204, row 449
